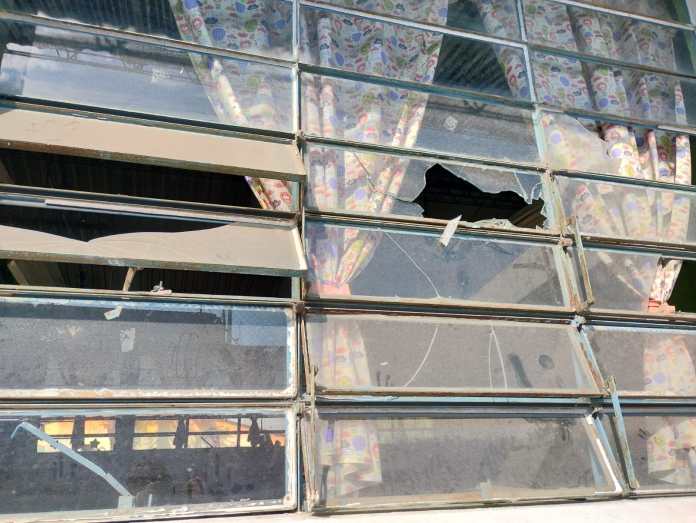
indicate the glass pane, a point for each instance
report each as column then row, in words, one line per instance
column 622, row 280
column 85, row 348
column 355, row 180
column 655, row 362
column 78, row 68
column 662, row 449
column 571, row 83
column 629, row 211
column 496, row 17
column 663, row 9
column 573, row 28
column 414, row 353
column 359, row 261
column 362, row 45
column 129, row 479
column 377, row 114
column 419, row 457
column 261, row 26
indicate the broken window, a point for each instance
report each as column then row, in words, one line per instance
column 358, row 181
column 137, row 349
column 351, row 261
column 427, row 457
column 87, row 481
column 421, row 354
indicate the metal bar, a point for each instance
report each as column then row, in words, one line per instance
column 418, row 153
column 159, row 41
column 622, row 436
column 398, row 223
column 378, row 394
column 627, row 14
column 630, row 182
column 436, row 402
column 584, row 267
column 663, row 249
column 413, row 24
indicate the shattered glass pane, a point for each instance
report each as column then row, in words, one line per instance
column 416, row 353
column 134, row 481
column 84, row 348
column 353, row 261
column 359, row 181
column 647, row 361
column 420, row 457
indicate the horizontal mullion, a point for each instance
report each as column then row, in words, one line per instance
column 616, row 119
column 679, row 320
column 451, row 92
column 425, row 26
column 160, row 41
column 601, row 60
column 627, row 14
column 625, row 180
column 28, row 291
column 431, row 226
column 154, row 406
column 664, row 249
column 379, row 393
column 59, row 199
column 515, row 408
column 421, row 154
column 449, row 308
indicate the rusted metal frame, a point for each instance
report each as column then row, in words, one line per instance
column 399, row 223
column 151, row 120
column 17, row 196
column 607, row 61
column 413, row 24
column 459, row 394
column 159, row 41
column 380, row 305
column 589, row 300
column 627, row 14
column 434, row 89
column 622, row 436
column 31, row 194
column 92, row 294
column 588, row 353
column 668, row 250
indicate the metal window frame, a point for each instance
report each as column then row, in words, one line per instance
column 162, row 393
column 284, row 410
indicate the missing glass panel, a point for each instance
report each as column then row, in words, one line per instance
column 422, row 458
column 361, row 181
column 418, row 353
column 138, row 464
column 87, row 349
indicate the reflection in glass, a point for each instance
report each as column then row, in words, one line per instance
column 407, row 458
column 404, row 53
column 381, row 115
column 655, row 362
column 355, row 261
column 132, row 461
column 77, row 68
column 416, row 352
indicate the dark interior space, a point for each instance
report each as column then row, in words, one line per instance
column 447, row 196
column 684, row 294
column 54, row 171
